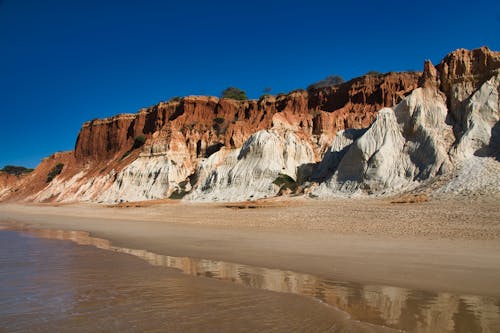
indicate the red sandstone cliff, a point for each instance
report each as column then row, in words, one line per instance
column 206, row 123
column 8, row 183
column 28, row 184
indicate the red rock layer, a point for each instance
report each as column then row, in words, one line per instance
column 7, row 182
column 37, row 179
column 207, row 123
column 462, row 66
column 458, row 75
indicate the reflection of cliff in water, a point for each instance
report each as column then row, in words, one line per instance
column 411, row 310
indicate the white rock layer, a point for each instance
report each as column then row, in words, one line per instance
column 248, row 173
column 481, row 127
column 146, row 178
column 403, row 146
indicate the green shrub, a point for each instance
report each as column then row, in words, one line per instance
column 373, row 73
column 54, row 172
column 15, row 170
column 177, row 194
column 331, row 80
column 234, row 93
column 139, row 141
column 285, row 182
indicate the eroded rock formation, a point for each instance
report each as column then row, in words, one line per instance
column 451, row 118
column 329, row 140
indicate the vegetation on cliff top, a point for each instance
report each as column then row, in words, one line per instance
column 331, row 80
column 373, row 73
column 15, row 170
column 234, row 93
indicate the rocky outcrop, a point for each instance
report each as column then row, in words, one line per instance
column 375, row 134
column 430, row 133
column 250, row 171
column 8, row 183
column 146, row 178
column 405, row 144
column 461, row 74
column 101, row 139
column 358, row 101
column 183, row 135
column 480, row 128
column 331, row 160
column 463, row 71
column 205, row 124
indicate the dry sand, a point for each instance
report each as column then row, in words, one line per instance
column 441, row 245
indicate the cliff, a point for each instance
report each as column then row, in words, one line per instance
column 8, row 183
column 206, row 123
column 327, row 141
column 446, row 124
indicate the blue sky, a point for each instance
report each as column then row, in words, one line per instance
column 66, row 62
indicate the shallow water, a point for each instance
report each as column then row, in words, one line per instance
column 48, row 286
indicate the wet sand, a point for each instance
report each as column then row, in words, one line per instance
column 343, row 306
column 56, row 286
column 438, row 246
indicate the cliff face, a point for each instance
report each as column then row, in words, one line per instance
column 460, row 74
column 448, row 122
column 101, row 139
column 34, row 186
column 205, row 124
column 182, row 133
column 463, row 71
column 8, row 183
column 329, row 141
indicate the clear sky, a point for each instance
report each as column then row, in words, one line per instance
column 68, row 61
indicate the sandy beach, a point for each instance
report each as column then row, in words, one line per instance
column 441, row 245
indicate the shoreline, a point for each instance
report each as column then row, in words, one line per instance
column 303, row 236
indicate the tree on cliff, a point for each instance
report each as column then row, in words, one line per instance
column 15, row 170
column 234, row 93
column 332, row 80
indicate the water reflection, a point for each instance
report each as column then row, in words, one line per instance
column 400, row 308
